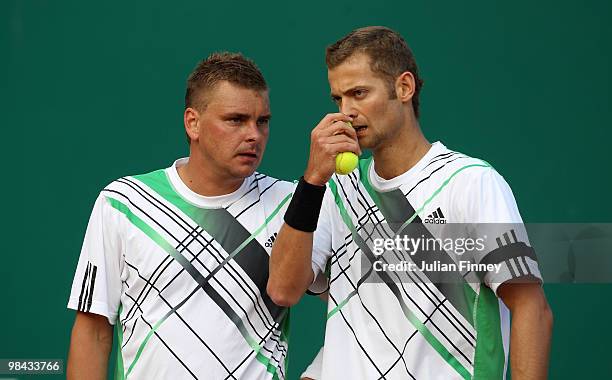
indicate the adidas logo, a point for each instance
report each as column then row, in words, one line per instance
column 507, row 240
column 435, row 217
column 271, row 239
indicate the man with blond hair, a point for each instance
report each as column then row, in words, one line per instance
column 177, row 259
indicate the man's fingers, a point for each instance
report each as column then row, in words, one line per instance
column 341, row 143
column 331, row 118
column 346, row 147
column 343, row 129
column 340, row 127
column 338, row 139
column 320, row 135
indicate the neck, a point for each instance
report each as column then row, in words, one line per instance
column 401, row 152
column 200, row 179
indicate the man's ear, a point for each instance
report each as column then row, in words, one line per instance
column 191, row 121
column 405, row 86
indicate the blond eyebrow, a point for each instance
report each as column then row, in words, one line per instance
column 245, row 116
column 238, row 115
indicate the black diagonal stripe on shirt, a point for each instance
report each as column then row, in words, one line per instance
column 396, row 209
column 440, row 157
column 392, row 285
column 187, row 227
column 204, row 284
column 253, row 259
column 230, row 234
column 199, row 217
column 449, row 315
column 423, row 180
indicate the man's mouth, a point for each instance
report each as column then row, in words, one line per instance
column 248, row 155
column 360, row 128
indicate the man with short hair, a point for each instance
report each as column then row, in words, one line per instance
column 418, row 323
column 177, row 259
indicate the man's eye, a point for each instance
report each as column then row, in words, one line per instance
column 359, row 93
column 263, row 122
column 235, row 120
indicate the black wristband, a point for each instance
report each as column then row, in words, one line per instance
column 303, row 211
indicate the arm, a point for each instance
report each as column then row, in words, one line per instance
column 90, row 345
column 290, row 266
column 531, row 329
column 291, row 259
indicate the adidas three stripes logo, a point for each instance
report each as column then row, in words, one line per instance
column 271, row 240
column 87, row 288
column 435, row 217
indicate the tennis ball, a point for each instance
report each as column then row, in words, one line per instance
column 346, row 162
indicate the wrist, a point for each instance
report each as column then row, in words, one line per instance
column 314, row 179
column 303, row 211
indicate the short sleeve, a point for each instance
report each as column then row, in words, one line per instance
column 96, row 287
column 489, row 208
column 322, row 244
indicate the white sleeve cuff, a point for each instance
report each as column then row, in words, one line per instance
column 97, row 307
column 320, row 284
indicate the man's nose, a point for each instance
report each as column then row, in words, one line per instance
column 347, row 107
column 253, row 132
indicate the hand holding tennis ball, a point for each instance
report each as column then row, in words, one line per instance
column 334, row 147
column 346, row 162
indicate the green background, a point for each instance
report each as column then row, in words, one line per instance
column 92, row 92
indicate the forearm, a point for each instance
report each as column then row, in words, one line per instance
column 290, row 266
column 530, row 337
column 291, row 260
column 89, row 352
column 530, row 344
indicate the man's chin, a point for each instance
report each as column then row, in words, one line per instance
column 244, row 171
column 365, row 142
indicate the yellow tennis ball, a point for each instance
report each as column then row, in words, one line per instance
column 346, row 162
